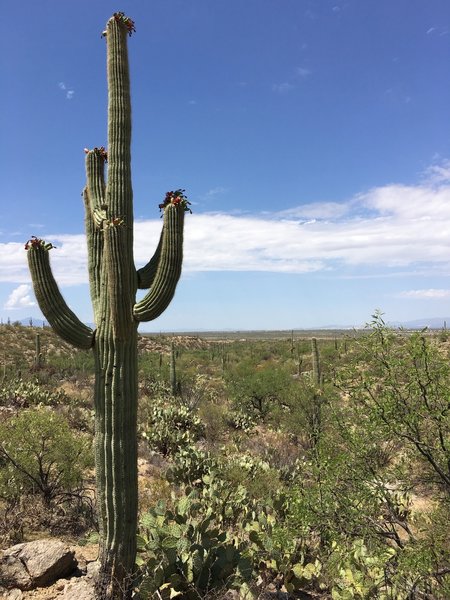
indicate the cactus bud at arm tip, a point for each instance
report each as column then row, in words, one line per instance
column 36, row 243
column 177, row 198
column 98, row 151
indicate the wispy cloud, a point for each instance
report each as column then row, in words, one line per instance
column 337, row 8
column 292, row 82
column 69, row 93
column 216, row 191
column 438, row 173
column 440, row 31
column 282, row 88
column 302, row 72
column 19, row 298
column 318, row 210
column 425, row 294
column 389, row 229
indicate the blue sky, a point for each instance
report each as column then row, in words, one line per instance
column 312, row 137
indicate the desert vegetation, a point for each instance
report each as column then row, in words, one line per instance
column 288, row 466
column 310, row 468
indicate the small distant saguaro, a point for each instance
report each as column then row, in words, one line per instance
column 114, row 281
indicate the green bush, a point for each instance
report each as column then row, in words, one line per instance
column 39, row 454
column 401, row 385
column 257, row 390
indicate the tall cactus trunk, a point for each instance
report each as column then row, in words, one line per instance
column 113, row 283
column 116, row 459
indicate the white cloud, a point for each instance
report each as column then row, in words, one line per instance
column 282, row 88
column 437, row 31
column 318, row 210
column 68, row 260
column 438, row 173
column 388, row 227
column 19, row 298
column 425, row 294
column 69, row 93
column 292, row 82
column 393, row 228
column 214, row 192
column 302, row 72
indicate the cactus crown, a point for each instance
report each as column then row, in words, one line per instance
column 38, row 243
column 177, row 198
column 120, row 17
column 101, row 151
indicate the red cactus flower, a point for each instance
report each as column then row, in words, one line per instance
column 177, row 198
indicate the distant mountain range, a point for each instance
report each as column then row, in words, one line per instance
column 431, row 323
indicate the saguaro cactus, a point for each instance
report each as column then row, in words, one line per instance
column 316, row 374
column 316, row 408
column 174, row 384
column 113, row 284
column 37, row 353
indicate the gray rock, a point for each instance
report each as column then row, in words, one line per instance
column 93, row 569
column 78, row 589
column 36, row 564
column 13, row 573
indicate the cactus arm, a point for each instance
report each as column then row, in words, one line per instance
column 94, row 241
column 95, row 216
column 53, row 306
column 169, row 267
column 146, row 274
column 95, row 184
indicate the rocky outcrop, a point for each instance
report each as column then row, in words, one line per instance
column 36, row 564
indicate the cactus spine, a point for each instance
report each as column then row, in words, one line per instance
column 113, row 284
